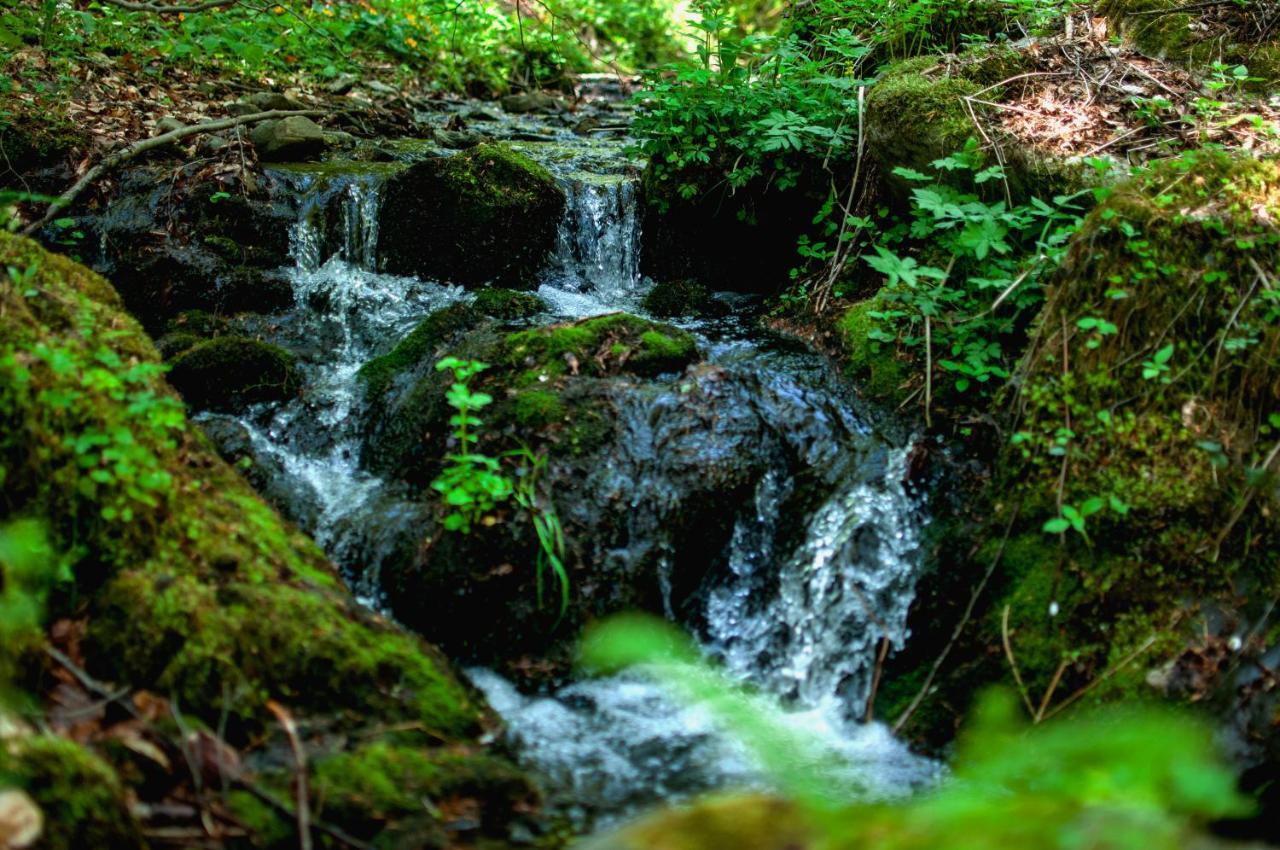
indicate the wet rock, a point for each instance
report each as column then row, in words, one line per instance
column 230, row 372
column 265, row 473
column 674, row 298
column 648, row 458
column 296, row 138
column 508, row 305
column 519, row 104
column 458, row 139
column 488, row 215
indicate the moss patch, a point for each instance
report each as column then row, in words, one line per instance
column 1173, row 30
column 604, row 345
column 508, row 305
column 684, row 297
column 229, row 372
column 1159, row 429
column 189, row 556
column 83, row 802
column 881, row 375
column 421, row 345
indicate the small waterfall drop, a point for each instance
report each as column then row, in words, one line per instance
column 819, row 565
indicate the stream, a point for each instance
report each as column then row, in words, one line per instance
column 794, row 608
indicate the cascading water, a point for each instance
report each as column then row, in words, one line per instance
column 819, row 567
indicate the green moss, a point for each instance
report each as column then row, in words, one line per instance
column 880, row 373
column 485, row 216
column 423, row 344
column 916, row 113
column 508, row 304
column 231, row 371
column 83, row 802
column 174, row 580
column 1170, row 29
column 385, row 787
column 603, row 345
column 675, row 298
column 535, row 408
column 1191, row 231
column 745, row 822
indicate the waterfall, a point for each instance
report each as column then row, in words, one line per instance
column 819, row 565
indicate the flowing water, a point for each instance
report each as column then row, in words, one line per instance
column 795, row 607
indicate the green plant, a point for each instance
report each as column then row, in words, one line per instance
column 472, row 484
column 966, row 302
column 1131, row 778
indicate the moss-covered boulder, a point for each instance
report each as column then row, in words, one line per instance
column 485, row 216
column 1199, row 35
column 508, row 304
column 37, row 142
column 229, row 372
column 81, row 798
column 677, row 298
column 923, row 109
column 1133, row 523
column 405, row 395
column 746, row 822
column 188, row 585
column 644, row 454
column 879, row 370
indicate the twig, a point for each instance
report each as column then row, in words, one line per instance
column 122, row 156
column 300, row 761
column 165, row 9
column 869, row 714
column 1048, row 692
column 1013, row 664
column 1111, row 671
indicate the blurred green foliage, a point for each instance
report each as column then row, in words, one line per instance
column 1130, row 777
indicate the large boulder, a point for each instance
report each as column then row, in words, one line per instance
column 488, row 215
column 1131, row 532
column 192, row 244
column 229, row 372
column 647, row 456
column 188, row 586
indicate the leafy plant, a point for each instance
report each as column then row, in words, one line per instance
column 970, row 295
column 472, row 484
column 1131, row 778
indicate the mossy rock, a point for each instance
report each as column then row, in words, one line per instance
column 604, row 345
column 508, row 305
column 877, row 368
column 189, row 585
column 748, row 822
column 404, row 393
column 485, row 216
column 1176, row 31
column 419, row 348
column 1148, row 404
column 82, row 799
column 916, row 113
column 36, row 145
column 677, row 298
column 229, row 372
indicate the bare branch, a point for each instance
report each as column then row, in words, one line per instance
column 123, row 155
column 166, row 9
